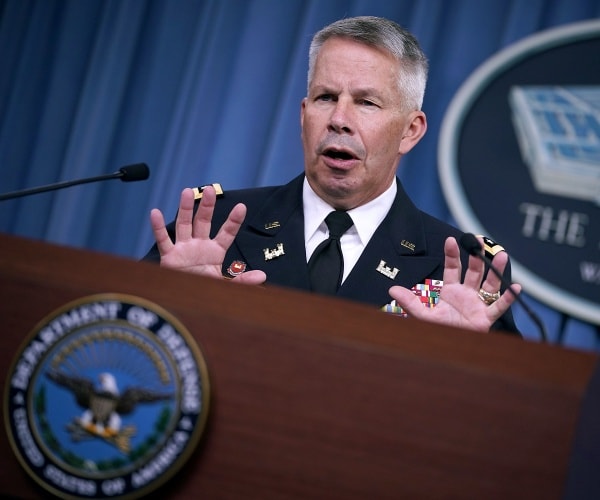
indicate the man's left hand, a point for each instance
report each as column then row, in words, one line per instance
column 460, row 304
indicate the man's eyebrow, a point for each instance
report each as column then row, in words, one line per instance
column 371, row 93
column 358, row 92
column 323, row 88
column 367, row 91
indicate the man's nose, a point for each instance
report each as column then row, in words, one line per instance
column 340, row 119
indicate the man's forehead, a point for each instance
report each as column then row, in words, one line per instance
column 337, row 52
column 345, row 42
column 363, row 71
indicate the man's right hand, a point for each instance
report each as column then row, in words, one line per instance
column 193, row 250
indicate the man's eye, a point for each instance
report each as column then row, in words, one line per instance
column 366, row 102
column 325, row 97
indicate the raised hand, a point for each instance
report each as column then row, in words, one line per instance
column 193, row 250
column 460, row 303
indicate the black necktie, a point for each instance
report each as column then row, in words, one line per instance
column 326, row 264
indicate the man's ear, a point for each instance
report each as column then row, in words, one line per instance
column 414, row 132
column 302, row 108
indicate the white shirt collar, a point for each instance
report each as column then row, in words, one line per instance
column 366, row 217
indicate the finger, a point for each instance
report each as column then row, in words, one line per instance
column 502, row 305
column 231, row 226
column 183, row 222
column 492, row 282
column 203, row 218
column 255, row 277
column 157, row 222
column 406, row 299
column 475, row 270
column 452, row 264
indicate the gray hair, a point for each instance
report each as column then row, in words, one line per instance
column 381, row 33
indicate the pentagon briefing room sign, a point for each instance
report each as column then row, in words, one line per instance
column 519, row 161
column 107, row 398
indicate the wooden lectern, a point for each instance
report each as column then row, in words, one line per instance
column 321, row 398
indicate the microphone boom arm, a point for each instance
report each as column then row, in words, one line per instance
column 135, row 172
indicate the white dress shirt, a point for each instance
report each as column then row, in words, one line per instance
column 366, row 220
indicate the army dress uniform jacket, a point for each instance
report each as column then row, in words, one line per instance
column 272, row 239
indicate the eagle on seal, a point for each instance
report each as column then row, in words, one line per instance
column 103, row 405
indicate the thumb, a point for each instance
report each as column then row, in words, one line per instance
column 255, row 277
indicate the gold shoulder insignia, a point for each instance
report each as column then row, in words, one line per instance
column 490, row 246
column 198, row 190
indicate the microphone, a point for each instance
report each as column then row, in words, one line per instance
column 128, row 173
column 471, row 245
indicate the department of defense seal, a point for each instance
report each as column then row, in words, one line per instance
column 107, row 398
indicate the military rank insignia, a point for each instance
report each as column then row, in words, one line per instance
column 108, row 397
column 199, row 190
column 490, row 247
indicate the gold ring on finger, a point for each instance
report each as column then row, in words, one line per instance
column 488, row 297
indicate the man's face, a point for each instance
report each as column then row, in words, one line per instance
column 353, row 128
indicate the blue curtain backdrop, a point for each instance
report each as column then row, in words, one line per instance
column 208, row 91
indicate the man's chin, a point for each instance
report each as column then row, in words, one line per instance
column 338, row 194
column 333, row 187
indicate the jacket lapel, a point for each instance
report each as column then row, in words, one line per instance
column 397, row 254
column 273, row 239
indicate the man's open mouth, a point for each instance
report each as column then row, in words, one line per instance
column 338, row 154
